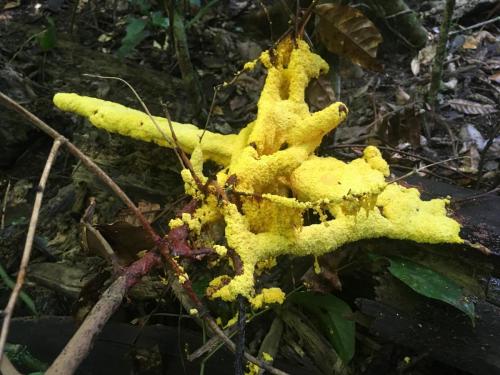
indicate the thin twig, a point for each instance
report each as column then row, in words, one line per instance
column 4, row 205
column 476, row 196
column 186, row 163
column 173, row 143
column 417, row 170
column 482, row 159
column 143, row 105
column 480, row 24
column 407, row 153
column 211, row 110
column 232, row 346
column 109, row 254
column 477, row 246
column 397, row 14
column 211, row 345
column 9, row 309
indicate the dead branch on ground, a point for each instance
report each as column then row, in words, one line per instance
column 23, row 267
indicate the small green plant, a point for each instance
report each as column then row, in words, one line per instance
column 47, row 38
column 139, row 28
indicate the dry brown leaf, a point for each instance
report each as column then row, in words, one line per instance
column 424, row 57
column 125, row 239
column 471, row 108
column 347, row 32
column 320, row 93
column 148, row 209
column 402, row 96
column 11, row 5
column 495, row 77
column 472, row 41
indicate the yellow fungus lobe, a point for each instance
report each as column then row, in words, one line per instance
column 193, row 312
column 271, row 168
column 266, row 297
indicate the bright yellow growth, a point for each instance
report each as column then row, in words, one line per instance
column 266, row 297
column 270, row 165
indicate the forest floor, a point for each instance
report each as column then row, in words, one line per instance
column 46, row 47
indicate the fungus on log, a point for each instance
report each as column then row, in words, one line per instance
column 276, row 185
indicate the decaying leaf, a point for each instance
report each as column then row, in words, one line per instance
column 323, row 277
column 320, row 93
column 347, row 32
column 472, row 41
column 469, row 135
column 424, row 57
column 402, row 97
column 125, row 239
column 471, row 108
column 495, row 77
column 11, row 5
column 470, row 162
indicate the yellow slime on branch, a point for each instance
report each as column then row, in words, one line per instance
column 278, row 177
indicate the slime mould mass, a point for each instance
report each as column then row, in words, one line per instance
column 273, row 159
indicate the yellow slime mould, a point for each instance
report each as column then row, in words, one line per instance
column 266, row 297
column 271, row 167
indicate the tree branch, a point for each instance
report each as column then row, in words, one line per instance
column 9, row 309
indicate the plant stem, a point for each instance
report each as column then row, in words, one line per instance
column 23, row 268
column 437, row 67
column 188, row 73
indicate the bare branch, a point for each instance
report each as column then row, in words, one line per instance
column 7, row 368
column 9, row 309
column 80, row 344
column 4, row 206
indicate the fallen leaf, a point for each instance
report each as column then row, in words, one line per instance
column 347, row 32
column 495, row 77
column 470, row 164
column 148, row 209
column 472, row 41
column 469, row 134
column 471, row 108
column 402, row 96
column 426, row 55
column 11, row 5
column 319, row 93
column 451, row 84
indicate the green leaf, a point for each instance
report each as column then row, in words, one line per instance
column 431, row 284
column 331, row 312
column 200, row 286
column 135, row 33
column 22, row 295
column 47, row 38
column 159, row 20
